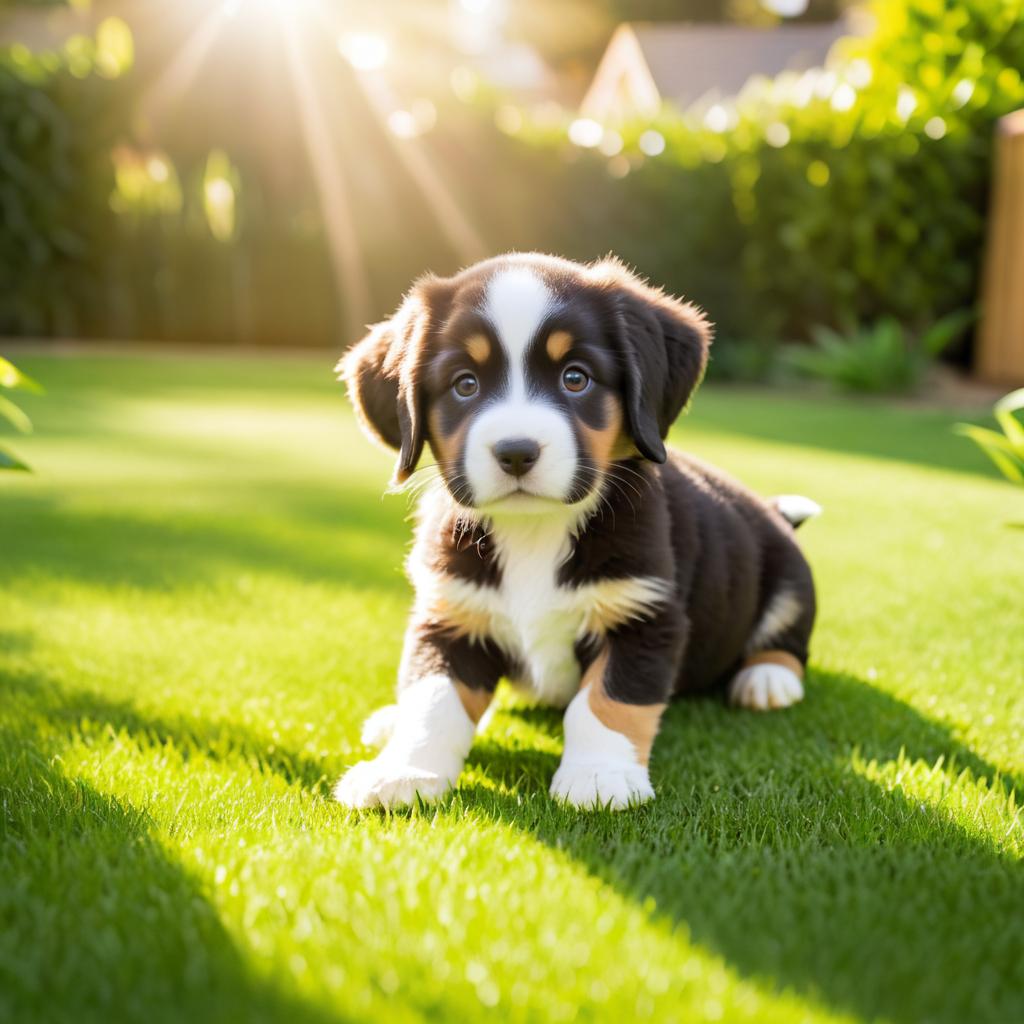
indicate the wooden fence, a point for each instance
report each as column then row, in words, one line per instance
column 999, row 356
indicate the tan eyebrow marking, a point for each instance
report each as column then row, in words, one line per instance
column 479, row 348
column 558, row 343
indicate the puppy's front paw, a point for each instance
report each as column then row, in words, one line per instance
column 388, row 782
column 764, row 687
column 595, row 785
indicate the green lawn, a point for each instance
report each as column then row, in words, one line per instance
column 201, row 600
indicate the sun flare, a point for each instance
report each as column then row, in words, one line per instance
column 310, row 45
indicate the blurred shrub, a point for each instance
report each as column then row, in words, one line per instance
column 862, row 190
column 836, row 196
column 885, row 358
column 744, row 361
column 57, row 114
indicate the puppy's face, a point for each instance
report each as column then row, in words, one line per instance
column 528, row 376
column 523, row 392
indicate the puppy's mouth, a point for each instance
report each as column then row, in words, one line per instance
column 520, row 497
column 523, row 493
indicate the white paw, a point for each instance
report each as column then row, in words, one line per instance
column 379, row 726
column 390, row 782
column 596, row 785
column 763, row 687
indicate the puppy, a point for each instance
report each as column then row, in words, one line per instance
column 565, row 549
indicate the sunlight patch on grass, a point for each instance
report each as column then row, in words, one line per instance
column 985, row 807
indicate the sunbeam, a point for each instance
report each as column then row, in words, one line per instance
column 367, row 53
column 329, row 177
column 179, row 74
column 295, row 29
column 467, row 242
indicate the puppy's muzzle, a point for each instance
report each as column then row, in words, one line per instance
column 516, row 456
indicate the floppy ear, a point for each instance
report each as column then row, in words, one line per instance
column 664, row 345
column 383, row 378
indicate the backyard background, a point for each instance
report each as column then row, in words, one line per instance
column 201, row 205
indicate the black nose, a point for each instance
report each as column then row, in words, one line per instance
column 517, row 456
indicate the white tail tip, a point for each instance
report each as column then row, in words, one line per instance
column 795, row 508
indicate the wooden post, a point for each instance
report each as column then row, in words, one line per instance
column 999, row 355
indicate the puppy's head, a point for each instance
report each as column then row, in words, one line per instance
column 528, row 376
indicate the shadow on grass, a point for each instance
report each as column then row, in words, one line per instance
column 165, row 550
column 771, row 849
column 89, row 714
column 98, row 923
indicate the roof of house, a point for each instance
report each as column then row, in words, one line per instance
column 686, row 63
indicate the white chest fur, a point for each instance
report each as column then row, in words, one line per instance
column 529, row 615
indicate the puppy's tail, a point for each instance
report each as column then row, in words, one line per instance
column 795, row 508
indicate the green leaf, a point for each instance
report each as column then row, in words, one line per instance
column 10, row 412
column 12, row 378
column 997, row 448
column 8, row 461
column 1004, row 413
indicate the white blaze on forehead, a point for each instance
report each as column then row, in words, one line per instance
column 516, row 302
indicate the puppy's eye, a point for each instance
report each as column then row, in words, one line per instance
column 466, row 385
column 575, row 379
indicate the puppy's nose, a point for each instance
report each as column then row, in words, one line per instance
column 517, row 455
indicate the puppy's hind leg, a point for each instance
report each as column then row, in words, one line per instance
column 772, row 675
column 769, row 680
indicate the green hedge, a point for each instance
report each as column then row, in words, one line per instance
column 58, row 116
column 834, row 199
